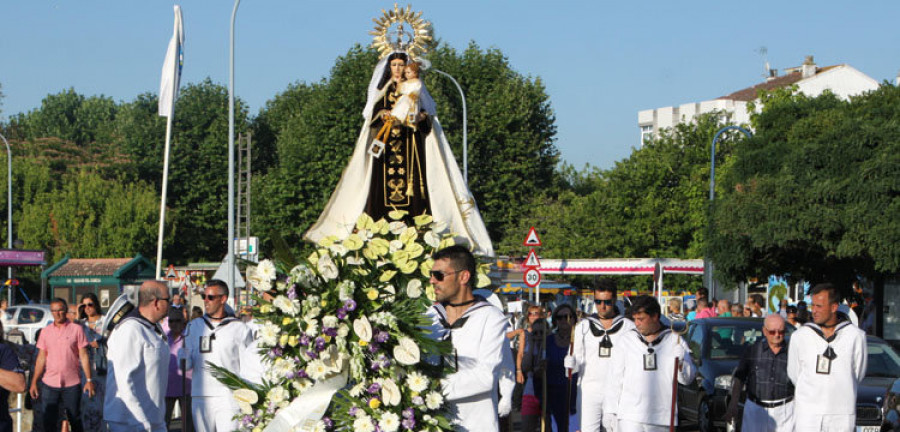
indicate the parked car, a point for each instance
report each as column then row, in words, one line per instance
column 28, row 319
column 882, row 380
column 716, row 346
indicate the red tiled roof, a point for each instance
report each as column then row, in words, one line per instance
column 91, row 267
column 751, row 93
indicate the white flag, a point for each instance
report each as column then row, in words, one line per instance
column 171, row 70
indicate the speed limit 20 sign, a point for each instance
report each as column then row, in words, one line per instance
column 532, row 277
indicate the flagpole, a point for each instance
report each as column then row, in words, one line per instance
column 229, row 260
column 165, row 183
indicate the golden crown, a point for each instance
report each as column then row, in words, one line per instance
column 413, row 41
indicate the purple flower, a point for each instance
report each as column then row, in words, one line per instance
column 375, row 366
column 304, row 340
column 381, row 336
column 350, row 305
column 275, row 352
column 320, row 343
column 312, row 355
column 330, row 331
column 289, row 375
column 373, row 347
column 408, row 423
column 292, row 292
column 328, row 422
column 302, row 374
column 341, row 313
column 353, row 411
column 418, row 400
column 374, row 388
column 409, row 413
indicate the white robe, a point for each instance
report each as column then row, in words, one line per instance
column 646, row 395
column 478, row 343
column 598, row 379
column 815, row 394
column 138, row 361
column 450, row 200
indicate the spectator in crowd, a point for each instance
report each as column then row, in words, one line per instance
column 673, row 309
column 792, row 316
column 196, row 312
column 11, row 380
column 737, row 310
column 557, row 347
column 63, row 348
column 91, row 318
column 757, row 303
column 178, row 383
column 723, row 308
column 706, row 309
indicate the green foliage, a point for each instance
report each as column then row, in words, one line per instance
column 815, row 192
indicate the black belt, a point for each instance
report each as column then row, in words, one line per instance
column 772, row 404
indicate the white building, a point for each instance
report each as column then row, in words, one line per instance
column 843, row 80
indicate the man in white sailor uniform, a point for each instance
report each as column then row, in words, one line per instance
column 648, row 370
column 138, row 361
column 826, row 362
column 218, row 338
column 597, row 339
column 770, row 394
column 477, row 330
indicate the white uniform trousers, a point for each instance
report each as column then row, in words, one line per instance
column 630, row 426
column 593, row 416
column 126, row 427
column 214, row 413
column 759, row 419
column 824, row 422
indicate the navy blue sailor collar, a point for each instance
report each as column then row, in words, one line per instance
column 843, row 321
column 480, row 302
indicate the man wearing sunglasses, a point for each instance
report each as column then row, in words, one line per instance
column 221, row 339
column 763, row 370
column 597, row 342
column 826, row 362
column 477, row 330
column 139, row 365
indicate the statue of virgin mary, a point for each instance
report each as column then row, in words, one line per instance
column 401, row 164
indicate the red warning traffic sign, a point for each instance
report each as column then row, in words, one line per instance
column 532, row 261
column 532, row 239
column 532, row 277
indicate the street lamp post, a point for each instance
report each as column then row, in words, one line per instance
column 229, row 260
column 465, row 145
column 9, row 239
column 711, row 284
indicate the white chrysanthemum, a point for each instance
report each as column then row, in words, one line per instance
column 301, row 385
column 302, row 275
column 330, row 321
column 312, row 327
column 417, row 382
column 385, row 319
column 357, row 390
column 268, row 334
column 317, row 370
column 363, row 329
column 433, row 400
column 407, row 352
column 345, row 290
column 414, row 288
column 278, row 395
column 327, row 268
column 343, row 331
column 266, row 270
column 363, row 423
column 313, row 312
column 390, row 393
column 282, row 366
column 389, row 422
column 320, row 427
column 286, row 305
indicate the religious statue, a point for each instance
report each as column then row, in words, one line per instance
column 402, row 160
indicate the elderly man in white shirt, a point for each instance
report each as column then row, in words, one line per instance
column 648, row 370
column 221, row 339
column 826, row 362
column 477, row 330
column 138, row 362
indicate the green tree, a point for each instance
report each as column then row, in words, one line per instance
column 815, row 193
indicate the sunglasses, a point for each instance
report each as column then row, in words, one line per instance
column 775, row 332
column 210, row 297
column 88, row 305
column 534, row 314
column 564, row 317
column 164, row 298
column 609, row 302
column 439, row 275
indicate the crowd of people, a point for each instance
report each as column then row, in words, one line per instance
column 612, row 370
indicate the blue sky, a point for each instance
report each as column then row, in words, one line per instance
column 600, row 61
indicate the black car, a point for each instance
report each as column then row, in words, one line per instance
column 874, row 410
column 716, row 347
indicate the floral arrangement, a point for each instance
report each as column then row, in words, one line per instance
column 356, row 306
